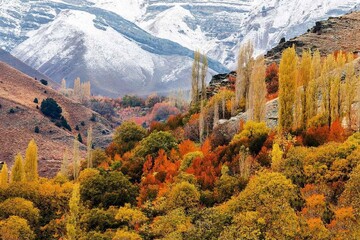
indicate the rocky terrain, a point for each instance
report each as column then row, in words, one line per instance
column 334, row 34
column 19, row 116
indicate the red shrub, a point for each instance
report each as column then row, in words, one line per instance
column 272, row 78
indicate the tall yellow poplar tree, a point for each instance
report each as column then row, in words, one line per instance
column 76, row 159
column 330, row 87
column 17, row 171
column 204, row 69
column 257, row 91
column 287, row 85
column 244, row 69
column 350, row 89
column 31, row 162
column 195, row 78
column 89, row 148
column 312, row 94
column 305, row 77
column 4, row 181
column 73, row 220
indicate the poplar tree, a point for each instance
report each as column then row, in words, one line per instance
column 65, row 164
column 312, row 94
column 73, row 220
column 89, row 148
column 216, row 114
column 223, row 106
column 77, row 87
column 31, row 162
column 204, row 70
column 17, row 171
column 233, row 106
column 287, row 85
column 198, row 78
column 4, row 181
column 195, row 78
column 350, row 89
column 201, row 122
column 76, row 159
column 63, row 85
column 257, row 91
column 244, row 69
column 304, row 79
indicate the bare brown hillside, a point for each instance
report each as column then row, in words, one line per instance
column 19, row 116
column 334, row 34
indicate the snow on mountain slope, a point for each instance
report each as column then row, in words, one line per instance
column 66, row 39
column 144, row 45
column 219, row 27
column 72, row 46
column 173, row 19
column 128, row 9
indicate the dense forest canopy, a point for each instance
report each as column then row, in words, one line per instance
column 185, row 177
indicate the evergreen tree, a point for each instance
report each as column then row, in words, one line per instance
column 73, row 220
column 89, row 148
column 4, row 181
column 31, row 162
column 79, row 138
column 17, row 171
column 287, row 87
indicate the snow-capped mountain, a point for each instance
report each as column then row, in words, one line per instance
column 220, row 27
column 141, row 46
column 98, row 45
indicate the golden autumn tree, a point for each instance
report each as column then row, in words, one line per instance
column 204, row 69
column 76, row 159
column 31, row 162
column 89, row 148
column 17, row 171
column 198, row 78
column 312, row 93
column 257, row 91
column 287, row 88
column 216, row 114
column 276, row 158
column 350, row 90
column 73, row 220
column 244, row 68
column 4, row 181
column 304, row 77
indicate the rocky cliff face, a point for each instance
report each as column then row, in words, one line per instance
column 328, row 36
